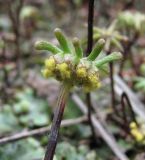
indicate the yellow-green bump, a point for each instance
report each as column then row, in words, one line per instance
column 50, row 63
column 81, row 72
column 64, row 70
column 47, row 73
column 136, row 133
column 94, row 80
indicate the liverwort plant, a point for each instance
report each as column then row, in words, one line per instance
column 131, row 21
column 67, row 65
column 112, row 36
column 131, row 24
column 114, row 40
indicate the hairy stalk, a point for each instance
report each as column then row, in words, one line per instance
column 89, row 49
column 54, row 133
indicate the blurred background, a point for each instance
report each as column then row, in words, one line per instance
column 28, row 101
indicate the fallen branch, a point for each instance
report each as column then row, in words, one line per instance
column 100, row 129
column 41, row 131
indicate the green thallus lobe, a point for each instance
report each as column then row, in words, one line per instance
column 62, row 41
column 68, row 65
column 43, row 45
column 97, row 50
column 78, row 48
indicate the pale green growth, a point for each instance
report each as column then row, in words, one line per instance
column 93, row 82
column 131, row 20
column 47, row 73
column 62, row 40
column 116, row 43
column 110, row 58
column 97, row 50
column 29, row 12
column 2, row 44
column 78, row 48
column 44, row 45
column 137, row 132
column 64, row 70
column 81, row 72
column 50, row 63
column 111, row 35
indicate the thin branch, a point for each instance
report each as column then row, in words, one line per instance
column 40, row 131
column 125, row 99
column 90, row 26
column 89, row 49
column 126, row 123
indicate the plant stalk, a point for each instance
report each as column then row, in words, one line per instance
column 90, row 26
column 54, row 133
column 89, row 49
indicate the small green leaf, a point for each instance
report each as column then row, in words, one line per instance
column 8, row 121
column 28, row 149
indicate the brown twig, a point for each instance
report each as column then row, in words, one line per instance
column 41, row 131
column 125, row 100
